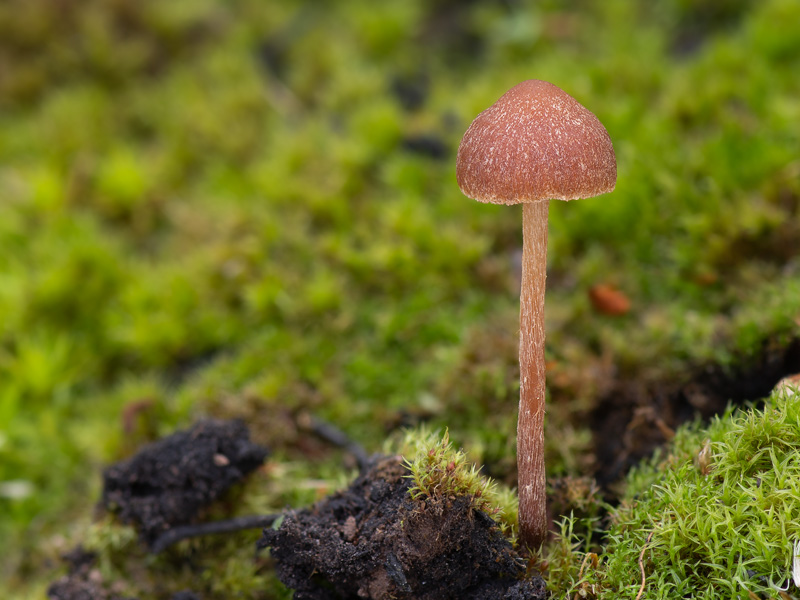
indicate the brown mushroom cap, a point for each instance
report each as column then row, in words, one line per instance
column 535, row 143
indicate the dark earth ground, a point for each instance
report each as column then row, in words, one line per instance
column 633, row 419
column 372, row 540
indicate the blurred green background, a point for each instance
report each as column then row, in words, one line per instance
column 248, row 208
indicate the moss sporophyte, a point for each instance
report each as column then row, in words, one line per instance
column 536, row 143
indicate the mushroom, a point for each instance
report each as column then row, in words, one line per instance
column 534, row 144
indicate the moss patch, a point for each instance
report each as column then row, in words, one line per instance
column 714, row 516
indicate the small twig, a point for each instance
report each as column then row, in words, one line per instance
column 641, row 565
column 177, row 534
column 590, row 558
column 337, row 437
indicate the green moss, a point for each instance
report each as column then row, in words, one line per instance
column 438, row 470
column 712, row 517
column 124, row 566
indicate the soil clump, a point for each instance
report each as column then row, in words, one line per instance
column 373, row 540
column 169, row 481
column 83, row 580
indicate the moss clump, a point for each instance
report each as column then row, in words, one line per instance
column 714, row 517
column 437, row 469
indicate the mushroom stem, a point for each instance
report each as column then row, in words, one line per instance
column 530, row 427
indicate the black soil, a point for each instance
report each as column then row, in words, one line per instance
column 637, row 417
column 83, row 581
column 373, row 541
column 168, row 482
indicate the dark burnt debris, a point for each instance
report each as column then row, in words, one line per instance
column 168, row 482
column 373, row 540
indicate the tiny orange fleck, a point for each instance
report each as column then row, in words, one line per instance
column 609, row 301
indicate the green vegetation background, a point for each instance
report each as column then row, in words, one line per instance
column 248, row 208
